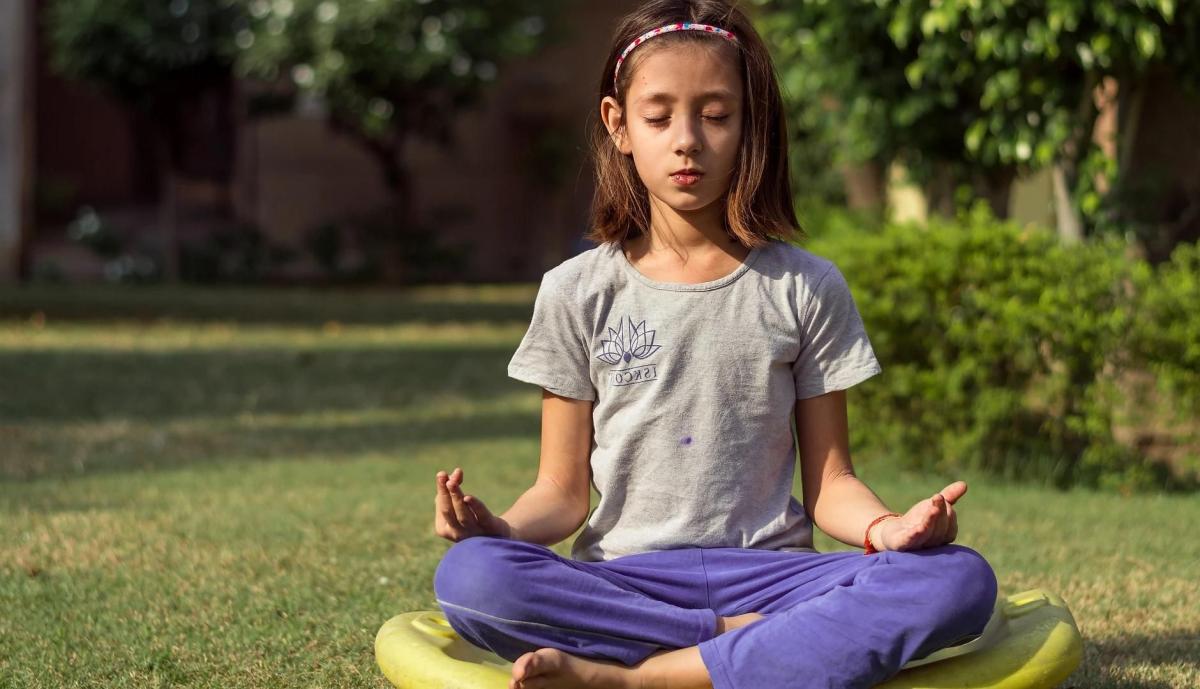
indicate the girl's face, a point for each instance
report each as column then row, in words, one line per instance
column 683, row 110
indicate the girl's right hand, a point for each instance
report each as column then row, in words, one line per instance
column 458, row 516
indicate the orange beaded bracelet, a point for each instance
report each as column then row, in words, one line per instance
column 867, row 545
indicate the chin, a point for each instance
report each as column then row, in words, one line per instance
column 684, row 201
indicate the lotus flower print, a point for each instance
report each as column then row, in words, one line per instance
column 628, row 342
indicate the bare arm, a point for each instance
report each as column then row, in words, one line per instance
column 838, row 502
column 557, row 503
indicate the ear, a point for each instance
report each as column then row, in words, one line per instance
column 610, row 114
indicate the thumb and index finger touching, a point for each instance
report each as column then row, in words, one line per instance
column 953, row 492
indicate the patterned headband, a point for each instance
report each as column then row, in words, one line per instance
column 679, row 26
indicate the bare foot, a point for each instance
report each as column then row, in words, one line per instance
column 550, row 668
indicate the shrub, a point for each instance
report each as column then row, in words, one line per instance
column 1167, row 328
column 1166, row 340
column 1000, row 347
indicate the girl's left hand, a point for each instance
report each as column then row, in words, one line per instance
column 930, row 523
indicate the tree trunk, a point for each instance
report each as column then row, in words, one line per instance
column 1131, row 98
column 994, row 185
column 168, row 207
column 399, row 216
column 1070, row 224
column 939, row 191
column 865, row 184
column 1065, row 172
column 16, row 138
column 197, row 150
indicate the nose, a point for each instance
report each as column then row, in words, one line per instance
column 687, row 138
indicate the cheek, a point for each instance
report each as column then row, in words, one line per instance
column 641, row 164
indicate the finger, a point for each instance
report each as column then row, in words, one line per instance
column 951, row 525
column 445, row 504
column 477, row 507
column 443, row 500
column 937, row 534
column 929, row 516
column 924, row 528
column 919, row 536
column 954, row 491
column 465, row 517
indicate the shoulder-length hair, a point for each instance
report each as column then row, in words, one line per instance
column 758, row 204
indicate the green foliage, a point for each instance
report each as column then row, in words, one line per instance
column 1000, row 347
column 1167, row 328
column 398, row 66
column 134, row 48
column 973, row 86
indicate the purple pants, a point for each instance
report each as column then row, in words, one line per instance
column 838, row 619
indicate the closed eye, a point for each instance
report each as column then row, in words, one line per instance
column 662, row 121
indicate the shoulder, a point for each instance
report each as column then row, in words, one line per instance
column 794, row 263
column 568, row 280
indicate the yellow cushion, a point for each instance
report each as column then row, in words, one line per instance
column 1031, row 642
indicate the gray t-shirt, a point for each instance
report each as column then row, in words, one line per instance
column 694, row 387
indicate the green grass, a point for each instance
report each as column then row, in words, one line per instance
column 240, row 493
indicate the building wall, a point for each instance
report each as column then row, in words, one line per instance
column 14, row 129
column 294, row 174
column 522, row 212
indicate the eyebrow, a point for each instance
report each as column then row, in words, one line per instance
column 662, row 97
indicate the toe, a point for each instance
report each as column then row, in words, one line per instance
column 520, row 669
column 540, row 662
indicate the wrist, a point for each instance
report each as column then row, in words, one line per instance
column 873, row 536
column 872, row 540
column 507, row 530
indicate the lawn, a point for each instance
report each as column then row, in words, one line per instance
column 234, row 488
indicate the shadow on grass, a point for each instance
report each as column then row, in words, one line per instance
column 83, row 412
column 90, row 385
column 265, row 306
column 177, row 450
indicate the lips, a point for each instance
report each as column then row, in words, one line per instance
column 686, row 179
column 690, row 171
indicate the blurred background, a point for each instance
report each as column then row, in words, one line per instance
column 317, row 141
column 328, row 144
column 263, row 262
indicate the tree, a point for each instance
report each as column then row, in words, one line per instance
column 389, row 71
column 172, row 60
column 986, row 88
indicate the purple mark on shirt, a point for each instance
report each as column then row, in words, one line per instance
column 685, row 440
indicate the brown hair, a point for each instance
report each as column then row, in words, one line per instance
column 758, row 204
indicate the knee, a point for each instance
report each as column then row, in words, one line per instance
column 478, row 573
column 973, row 581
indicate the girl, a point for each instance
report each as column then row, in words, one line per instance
column 673, row 357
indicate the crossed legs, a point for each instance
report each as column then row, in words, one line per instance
column 689, row 618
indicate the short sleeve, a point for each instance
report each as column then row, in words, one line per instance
column 835, row 352
column 553, row 353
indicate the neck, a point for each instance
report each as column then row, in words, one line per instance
column 687, row 230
